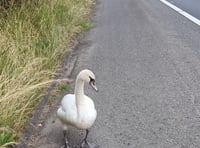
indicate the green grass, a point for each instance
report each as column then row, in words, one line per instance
column 7, row 137
column 33, row 39
column 87, row 25
column 63, row 87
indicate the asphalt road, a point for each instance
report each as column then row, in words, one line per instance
column 190, row 6
column 146, row 58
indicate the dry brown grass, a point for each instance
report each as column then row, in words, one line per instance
column 33, row 40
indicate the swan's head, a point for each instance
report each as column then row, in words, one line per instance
column 88, row 77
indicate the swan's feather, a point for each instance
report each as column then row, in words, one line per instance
column 67, row 112
column 82, row 118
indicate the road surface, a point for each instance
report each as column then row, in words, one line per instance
column 190, row 6
column 146, row 58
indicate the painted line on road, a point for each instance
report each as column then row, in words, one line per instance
column 187, row 15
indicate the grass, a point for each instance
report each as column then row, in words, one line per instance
column 63, row 87
column 60, row 87
column 33, row 39
column 6, row 137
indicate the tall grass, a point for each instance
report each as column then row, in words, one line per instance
column 33, row 39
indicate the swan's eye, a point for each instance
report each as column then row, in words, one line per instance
column 92, row 80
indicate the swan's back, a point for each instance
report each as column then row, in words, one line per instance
column 67, row 112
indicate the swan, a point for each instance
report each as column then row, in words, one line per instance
column 77, row 109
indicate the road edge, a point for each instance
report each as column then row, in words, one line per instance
column 64, row 71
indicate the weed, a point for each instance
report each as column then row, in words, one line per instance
column 6, row 137
column 87, row 25
column 63, row 87
column 33, row 39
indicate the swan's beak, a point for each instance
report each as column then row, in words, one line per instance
column 94, row 87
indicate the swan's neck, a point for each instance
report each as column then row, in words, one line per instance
column 79, row 91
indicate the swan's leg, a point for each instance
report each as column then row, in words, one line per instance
column 65, row 137
column 66, row 141
column 65, row 128
column 85, row 139
column 86, row 143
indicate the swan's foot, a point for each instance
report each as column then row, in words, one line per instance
column 86, row 144
column 67, row 145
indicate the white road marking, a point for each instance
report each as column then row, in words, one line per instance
column 187, row 15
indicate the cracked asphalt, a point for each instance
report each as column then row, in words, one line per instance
column 146, row 59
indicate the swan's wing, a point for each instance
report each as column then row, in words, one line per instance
column 68, row 102
column 67, row 112
column 89, row 101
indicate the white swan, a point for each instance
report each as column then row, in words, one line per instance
column 77, row 109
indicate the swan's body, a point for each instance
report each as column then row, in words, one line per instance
column 81, row 117
column 77, row 109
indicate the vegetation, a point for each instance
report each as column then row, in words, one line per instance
column 34, row 35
